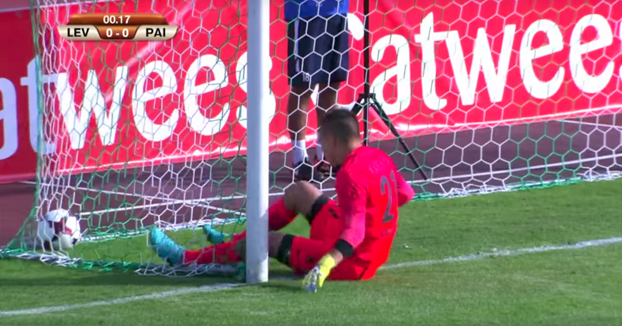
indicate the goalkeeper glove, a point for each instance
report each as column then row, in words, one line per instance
column 316, row 277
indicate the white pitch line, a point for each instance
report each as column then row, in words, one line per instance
column 44, row 310
column 505, row 253
column 227, row 286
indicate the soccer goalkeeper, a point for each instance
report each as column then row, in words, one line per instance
column 369, row 189
column 299, row 253
column 360, row 228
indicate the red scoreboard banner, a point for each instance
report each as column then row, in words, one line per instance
column 438, row 66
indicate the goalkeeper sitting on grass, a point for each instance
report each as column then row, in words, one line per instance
column 348, row 240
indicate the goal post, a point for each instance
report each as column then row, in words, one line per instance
column 258, row 141
column 139, row 136
column 490, row 96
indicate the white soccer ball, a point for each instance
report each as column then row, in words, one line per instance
column 60, row 229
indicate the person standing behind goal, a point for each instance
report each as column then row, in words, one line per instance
column 318, row 44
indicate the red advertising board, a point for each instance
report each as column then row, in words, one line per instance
column 438, row 66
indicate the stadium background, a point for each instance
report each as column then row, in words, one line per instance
column 487, row 134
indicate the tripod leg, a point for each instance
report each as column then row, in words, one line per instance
column 366, row 124
column 356, row 108
column 385, row 118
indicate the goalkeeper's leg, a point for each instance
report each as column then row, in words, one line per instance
column 280, row 215
column 298, row 198
column 302, row 255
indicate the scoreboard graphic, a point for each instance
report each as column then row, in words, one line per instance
column 117, row 27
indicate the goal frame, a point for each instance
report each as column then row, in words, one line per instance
column 258, row 142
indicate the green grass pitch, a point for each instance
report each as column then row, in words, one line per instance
column 566, row 287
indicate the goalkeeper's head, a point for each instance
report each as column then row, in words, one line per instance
column 339, row 135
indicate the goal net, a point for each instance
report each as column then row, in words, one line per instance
column 487, row 95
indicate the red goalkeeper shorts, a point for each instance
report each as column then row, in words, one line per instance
column 326, row 229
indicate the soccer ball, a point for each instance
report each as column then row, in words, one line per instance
column 59, row 229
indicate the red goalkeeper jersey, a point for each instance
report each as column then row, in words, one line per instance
column 370, row 190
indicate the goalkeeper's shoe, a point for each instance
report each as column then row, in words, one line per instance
column 166, row 248
column 213, row 236
column 304, row 171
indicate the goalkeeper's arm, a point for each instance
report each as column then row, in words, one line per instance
column 352, row 195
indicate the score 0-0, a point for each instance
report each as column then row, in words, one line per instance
column 102, row 27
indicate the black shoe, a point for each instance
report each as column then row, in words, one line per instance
column 304, row 171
